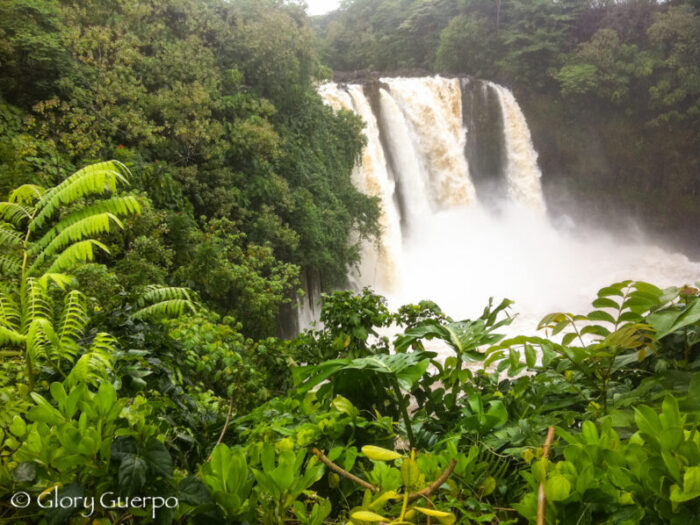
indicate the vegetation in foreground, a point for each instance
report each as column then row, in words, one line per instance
column 153, row 395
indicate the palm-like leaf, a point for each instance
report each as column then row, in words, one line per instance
column 96, row 179
column 27, row 194
column 9, row 311
column 10, row 337
column 118, row 206
column 73, row 321
column 10, row 265
column 35, row 304
column 94, row 365
column 14, row 213
column 9, row 237
column 44, row 235
column 79, row 252
column 165, row 301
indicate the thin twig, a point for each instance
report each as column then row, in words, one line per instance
column 343, row 472
column 436, row 484
column 541, row 499
column 223, row 430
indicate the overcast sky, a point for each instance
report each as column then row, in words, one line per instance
column 319, row 7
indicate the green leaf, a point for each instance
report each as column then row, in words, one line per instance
column 530, row 356
column 132, row 474
column 410, row 474
column 365, row 515
column 600, row 315
column 18, row 427
column 345, row 406
column 158, row 458
column 193, row 492
column 380, row 454
column 605, row 302
column 670, row 321
column 557, row 488
column 446, row 518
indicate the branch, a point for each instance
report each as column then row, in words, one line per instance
column 541, row 499
column 436, row 484
column 343, row 472
column 223, row 430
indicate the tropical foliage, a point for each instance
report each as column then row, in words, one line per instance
column 370, row 429
column 140, row 297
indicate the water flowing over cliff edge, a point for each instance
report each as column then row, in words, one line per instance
column 463, row 215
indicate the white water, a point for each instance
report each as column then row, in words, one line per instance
column 522, row 172
column 455, row 251
column 433, row 109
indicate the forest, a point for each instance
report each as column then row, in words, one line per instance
column 169, row 180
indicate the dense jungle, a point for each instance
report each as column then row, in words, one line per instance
column 173, row 187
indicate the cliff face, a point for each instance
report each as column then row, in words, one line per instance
column 605, row 169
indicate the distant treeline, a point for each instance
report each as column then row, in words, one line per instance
column 610, row 88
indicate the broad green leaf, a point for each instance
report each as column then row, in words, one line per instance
column 380, row 454
column 557, row 488
column 447, row 518
column 410, row 474
column 530, row 356
column 132, row 474
column 365, row 515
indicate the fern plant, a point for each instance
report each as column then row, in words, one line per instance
column 44, row 235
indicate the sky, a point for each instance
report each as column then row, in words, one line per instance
column 320, row 7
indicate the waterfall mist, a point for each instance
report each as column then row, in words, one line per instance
column 463, row 214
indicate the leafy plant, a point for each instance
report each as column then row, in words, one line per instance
column 45, row 234
column 400, row 371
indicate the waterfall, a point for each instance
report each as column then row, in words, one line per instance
column 405, row 161
column 523, row 175
column 433, row 109
column 463, row 215
column 380, row 264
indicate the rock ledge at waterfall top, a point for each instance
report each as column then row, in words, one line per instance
column 363, row 76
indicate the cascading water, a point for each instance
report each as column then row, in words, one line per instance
column 463, row 213
column 522, row 173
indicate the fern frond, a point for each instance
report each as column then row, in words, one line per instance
column 37, row 304
column 41, row 340
column 155, row 293
column 94, row 365
column 95, row 179
column 85, row 228
column 9, row 311
column 170, row 308
column 104, row 343
column 10, row 264
column 60, row 279
column 27, row 194
column 118, row 206
column 165, row 301
column 14, row 213
column 10, row 337
column 9, row 237
column 73, row 320
column 79, row 252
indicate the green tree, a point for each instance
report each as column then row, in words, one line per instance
column 675, row 35
column 604, row 67
column 468, row 45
